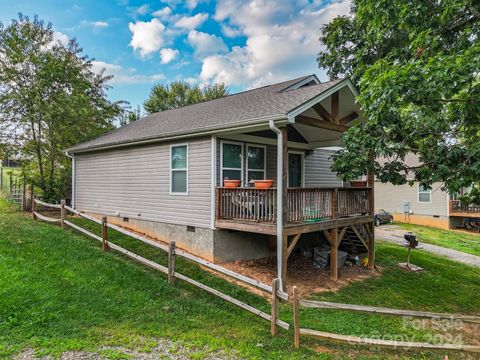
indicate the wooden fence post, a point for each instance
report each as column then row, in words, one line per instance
column 273, row 325
column 10, row 184
column 24, row 194
column 296, row 327
column 104, row 234
column 34, row 207
column 171, row 262
column 31, row 197
column 62, row 213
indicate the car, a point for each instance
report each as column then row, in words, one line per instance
column 382, row 217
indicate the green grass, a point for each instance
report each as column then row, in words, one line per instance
column 59, row 291
column 468, row 243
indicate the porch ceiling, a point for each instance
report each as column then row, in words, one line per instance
column 323, row 137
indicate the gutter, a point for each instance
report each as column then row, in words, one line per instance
column 271, row 123
column 73, row 179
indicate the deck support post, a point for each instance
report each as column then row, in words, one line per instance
column 334, row 254
column 104, row 234
column 371, row 205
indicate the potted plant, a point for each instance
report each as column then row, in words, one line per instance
column 231, row 184
column 263, row 184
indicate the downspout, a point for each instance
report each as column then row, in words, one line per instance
column 73, row 179
column 279, row 201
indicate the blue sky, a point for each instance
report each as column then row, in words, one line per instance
column 242, row 43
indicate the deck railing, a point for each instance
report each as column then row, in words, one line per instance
column 303, row 204
column 456, row 206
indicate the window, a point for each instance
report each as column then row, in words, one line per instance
column 232, row 160
column 255, row 162
column 179, row 169
column 424, row 194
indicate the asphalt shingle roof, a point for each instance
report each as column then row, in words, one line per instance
column 248, row 107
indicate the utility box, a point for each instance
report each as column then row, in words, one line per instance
column 406, row 207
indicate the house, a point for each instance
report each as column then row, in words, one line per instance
column 164, row 175
column 421, row 205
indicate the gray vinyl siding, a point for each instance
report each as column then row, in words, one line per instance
column 135, row 182
column 317, row 169
column 391, row 197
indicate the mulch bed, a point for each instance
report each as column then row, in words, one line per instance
column 301, row 273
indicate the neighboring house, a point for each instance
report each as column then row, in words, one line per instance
column 164, row 174
column 423, row 206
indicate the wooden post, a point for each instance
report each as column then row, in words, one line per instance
column 371, row 204
column 296, row 325
column 284, row 190
column 62, row 213
column 334, row 254
column 24, row 194
column 34, row 207
column 104, row 234
column 273, row 325
column 31, row 197
column 10, row 184
column 171, row 262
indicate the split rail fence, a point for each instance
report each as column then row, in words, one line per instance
column 276, row 294
column 298, row 331
column 169, row 270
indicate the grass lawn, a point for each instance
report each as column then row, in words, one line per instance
column 59, row 291
column 469, row 243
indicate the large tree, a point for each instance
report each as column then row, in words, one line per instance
column 50, row 99
column 416, row 64
column 180, row 93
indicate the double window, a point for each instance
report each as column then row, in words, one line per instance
column 424, row 194
column 232, row 161
column 179, row 169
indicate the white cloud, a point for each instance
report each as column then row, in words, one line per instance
column 191, row 22
column 122, row 75
column 58, row 36
column 99, row 24
column 192, row 4
column 205, row 44
column 147, row 37
column 229, row 31
column 167, row 55
column 282, row 40
column 141, row 10
column 163, row 13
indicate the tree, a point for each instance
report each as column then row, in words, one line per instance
column 416, row 64
column 180, row 93
column 50, row 99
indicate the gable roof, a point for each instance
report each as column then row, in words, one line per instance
column 272, row 102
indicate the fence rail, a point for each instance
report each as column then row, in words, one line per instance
column 170, row 270
column 297, row 303
column 303, row 204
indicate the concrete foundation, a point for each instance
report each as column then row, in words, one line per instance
column 216, row 246
column 441, row 222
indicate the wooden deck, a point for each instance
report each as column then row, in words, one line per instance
column 457, row 208
column 308, row 209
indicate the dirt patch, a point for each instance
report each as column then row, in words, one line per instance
column 301, row 273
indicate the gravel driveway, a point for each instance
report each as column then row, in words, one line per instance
column 394, row 234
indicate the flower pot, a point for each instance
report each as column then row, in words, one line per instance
column 231, row 184
column 263, row 184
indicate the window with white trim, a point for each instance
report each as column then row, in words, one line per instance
column 232, row 161
column 179, row 169
column 255, row 162
column 424, row 194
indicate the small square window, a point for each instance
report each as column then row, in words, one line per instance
column 424, row 194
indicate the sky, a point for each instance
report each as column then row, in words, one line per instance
column 241, row 43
